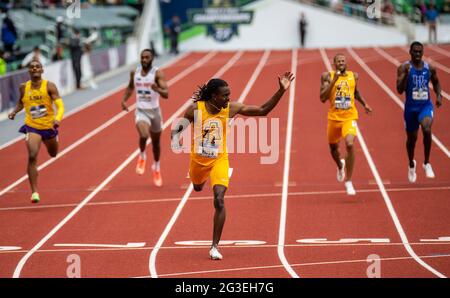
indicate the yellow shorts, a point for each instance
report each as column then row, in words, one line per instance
column 337, row 130
column 217, row 172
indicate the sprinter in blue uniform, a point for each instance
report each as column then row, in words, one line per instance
column 413, row 78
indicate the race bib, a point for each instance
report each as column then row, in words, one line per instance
column 210, row 140
column 38, row 111
column 342, row 103
column 208, row 150
column 420, row 94
column 144, row 95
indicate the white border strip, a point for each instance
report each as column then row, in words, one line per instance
column 287, row 161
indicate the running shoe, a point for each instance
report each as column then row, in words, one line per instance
column 157, row 179
column 341, row 172
column 140, row 167
column 412, row 176
column 349, row 188
column 35, row 198
column 428, row 170
column 215, row 254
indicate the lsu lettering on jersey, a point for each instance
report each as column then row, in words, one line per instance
column 39, row 111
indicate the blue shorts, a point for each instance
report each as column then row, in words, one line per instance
column 46, row 134
column 413, row 116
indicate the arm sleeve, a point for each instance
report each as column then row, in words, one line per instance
column 60, row 109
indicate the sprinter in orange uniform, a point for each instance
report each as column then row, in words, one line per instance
column 340, row 88
column 210, row 114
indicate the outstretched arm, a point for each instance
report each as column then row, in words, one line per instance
column 402, row 77
column 161, row 85
column 19, row 105
column 238, row 108
column 436, row 86
column 128, row 91
column 359, row 98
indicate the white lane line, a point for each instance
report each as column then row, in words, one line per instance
column 24, row 259
column 255, row 195
column 440, row 239
column 392, row 95
column 287, row 162
column 101, row 127
column 162, row 238
column 439, row 50
column 96, row 99
column 16, row 249
column 293, row 265
column 386, row 198
column 128, row 245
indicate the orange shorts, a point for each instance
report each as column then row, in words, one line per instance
column 217, row 172
column 337, row 130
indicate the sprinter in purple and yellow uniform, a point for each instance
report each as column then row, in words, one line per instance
column 37, row 97
column 413, row 78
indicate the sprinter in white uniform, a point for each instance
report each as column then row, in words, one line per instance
column 149, row 83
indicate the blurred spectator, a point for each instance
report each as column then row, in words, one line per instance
column 76, row 51
column 86, row 66
column 9, row 34
column 422, row 9
column 431, row 17
column 388, row 11
column 3, row 65
column 302, row 29
column 173, row 29
column 59, row 30
column 58, row 55
column 34, row 55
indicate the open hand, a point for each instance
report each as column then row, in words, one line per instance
column 368, row 109
column 285, row 80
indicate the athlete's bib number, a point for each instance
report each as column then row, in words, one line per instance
column 210, row 140
column 208, row 150
column 420, row 94
column 342, row 103
column 144, row 95
column 38, row 111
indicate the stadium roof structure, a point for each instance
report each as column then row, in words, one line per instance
column 27, row 22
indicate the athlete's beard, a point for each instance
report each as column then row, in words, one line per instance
column 146, row 66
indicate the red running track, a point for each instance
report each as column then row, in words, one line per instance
column 92, row 195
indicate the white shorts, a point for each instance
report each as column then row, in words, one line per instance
column 152, row 117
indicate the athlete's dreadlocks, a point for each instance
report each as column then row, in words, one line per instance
column 205, row 92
